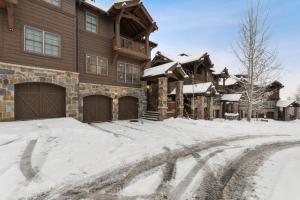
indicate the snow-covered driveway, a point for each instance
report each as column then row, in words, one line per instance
column 65, row 159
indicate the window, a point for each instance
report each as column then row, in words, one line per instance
column 128, row 73
column 96, row 65
column 54, row 2
column 91, row 23
column 38, row 41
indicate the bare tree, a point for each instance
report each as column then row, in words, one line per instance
column 297, row 96
column 258, row 60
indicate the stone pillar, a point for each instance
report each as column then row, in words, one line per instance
column 199, row 104
column 210, row 107
column 143, row 99
column 297, row 112
column 162, row 97
column 179, row 99
column 115, row 108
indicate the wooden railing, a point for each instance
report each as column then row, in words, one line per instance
column 132, row 45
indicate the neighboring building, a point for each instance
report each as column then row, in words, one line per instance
column 199, row 78
column 67, row 58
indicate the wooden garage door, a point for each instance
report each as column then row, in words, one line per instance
column 39, row 101
column 128, row 108
column 97, row 109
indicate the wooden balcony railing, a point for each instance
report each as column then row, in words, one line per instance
column 132, row 45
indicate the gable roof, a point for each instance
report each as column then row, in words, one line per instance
column 119, row 5
column 286, row 103
column 163, row 70
column 199, row 88
column 182, row 58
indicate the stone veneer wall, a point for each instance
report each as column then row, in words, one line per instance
column 114, row 92
column 11, row 74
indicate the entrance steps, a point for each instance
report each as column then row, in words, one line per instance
column 151, row 115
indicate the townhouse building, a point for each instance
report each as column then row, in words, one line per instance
column 67, row 58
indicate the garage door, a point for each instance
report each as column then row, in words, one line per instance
column 39, row 100
column 128, row 108
column 97, row 109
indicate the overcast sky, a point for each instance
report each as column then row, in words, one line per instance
column 199, row 26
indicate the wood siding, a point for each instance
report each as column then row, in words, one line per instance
column 99, row 44
column 44, row 16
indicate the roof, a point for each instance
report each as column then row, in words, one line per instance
column 199, row 88
column 163, row 70
column 286, row 103
column 232, row 80
column 231, row 97
column 97, row 6
column 182, row 58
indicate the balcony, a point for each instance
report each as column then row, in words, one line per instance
column 128, row 47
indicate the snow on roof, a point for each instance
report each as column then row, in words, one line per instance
column 196, row 89
column 102, row 7
column 284, row 103
column 97, row 5
column 231, row 97
column 159, row 70
column 182, row 58
column 230, row 81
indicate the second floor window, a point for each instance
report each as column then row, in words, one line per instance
column 96, row 65
column 128, row 73
column 91, row 23
column 42, row 42
column 54, row 2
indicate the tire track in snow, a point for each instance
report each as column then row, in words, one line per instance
column 114, row 181
column 25, row 163
column 232, row 181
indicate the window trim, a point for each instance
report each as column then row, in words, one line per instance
column 97, row 64
column 57, row 6
column 97, row 22
column 125, row 77
column 43, row 42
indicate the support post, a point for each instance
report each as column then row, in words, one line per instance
column 210, row 107
column 297, row 112
column 179, row 99
column 162, row 98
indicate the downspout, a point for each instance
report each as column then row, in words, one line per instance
column 78, row 2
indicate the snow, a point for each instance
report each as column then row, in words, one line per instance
column 182, row 59
column 231, row 97
column 199, row 88
column 231, row 114
column 279, row 177
column 69, row 152
column 144, row 184
column 284, row 103
column 159, row 70
column 97, row 5
column 232, row 80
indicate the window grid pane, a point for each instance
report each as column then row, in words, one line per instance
column 102, row 66
column 91, row 23
column 33, row 40
column 121, row 72
column 52, row 43
column 91, row 66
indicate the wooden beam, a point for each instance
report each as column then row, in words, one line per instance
column 10, row 16
column 118, row 28
column 129, row 15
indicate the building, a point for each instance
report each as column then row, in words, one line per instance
column 198, row 89
column 67, row 58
